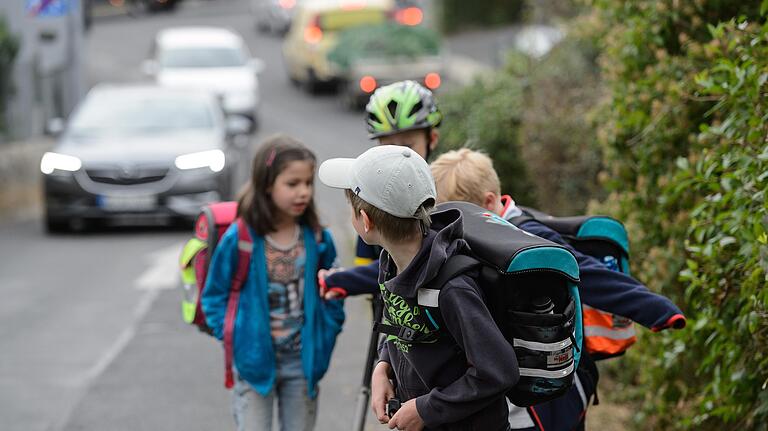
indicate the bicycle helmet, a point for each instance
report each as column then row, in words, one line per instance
column 399, row 107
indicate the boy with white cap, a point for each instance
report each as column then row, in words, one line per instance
column 445, row 365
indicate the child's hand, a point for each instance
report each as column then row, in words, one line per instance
column 381, row 391
column 332, row 294
column 326, row 292
column 407, row 418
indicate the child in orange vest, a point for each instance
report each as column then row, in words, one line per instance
column 467, row 175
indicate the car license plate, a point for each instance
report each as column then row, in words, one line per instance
column 127, row 203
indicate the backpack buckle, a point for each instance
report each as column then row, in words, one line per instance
column 406, row 334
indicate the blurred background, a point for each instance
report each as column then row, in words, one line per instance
column 119, row 119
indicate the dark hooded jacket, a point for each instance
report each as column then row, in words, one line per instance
column 459, row 377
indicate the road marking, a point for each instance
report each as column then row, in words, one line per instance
column 106, row 358
column 163, row 273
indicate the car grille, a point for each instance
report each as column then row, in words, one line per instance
column 126, row 177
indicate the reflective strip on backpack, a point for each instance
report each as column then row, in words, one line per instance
column 542, row 347
column 613, row 334
column 546, row 374
column 428, row 297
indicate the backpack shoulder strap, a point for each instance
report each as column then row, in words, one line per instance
column 244, row 251
column 428, row 298
column 454, row 266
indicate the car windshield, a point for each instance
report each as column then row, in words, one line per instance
column 202, row 57
column 111, row 113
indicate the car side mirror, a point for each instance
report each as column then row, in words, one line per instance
column 257, row 65
column 54, row 127
column 149, row 67
column 238, row 125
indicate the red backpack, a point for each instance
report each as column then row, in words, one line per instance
column 213, row 221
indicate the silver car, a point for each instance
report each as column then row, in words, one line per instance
column 210, row 58
column 142, row 151
column 273, row 16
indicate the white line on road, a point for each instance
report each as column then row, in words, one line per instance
column 163, row 273
column 141, row 310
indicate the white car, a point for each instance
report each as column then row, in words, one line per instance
column 211, row 58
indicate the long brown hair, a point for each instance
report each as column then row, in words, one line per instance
column 255, row 204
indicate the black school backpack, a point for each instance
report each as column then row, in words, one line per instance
column 529, row 285
column 606, row 334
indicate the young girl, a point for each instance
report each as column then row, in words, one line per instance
column 284, row 333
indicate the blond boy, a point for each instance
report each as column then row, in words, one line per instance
column 466, row 175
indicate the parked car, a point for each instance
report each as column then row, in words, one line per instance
column 273, row 16
column 146, row 151
column 313, row 35
column 211, row 58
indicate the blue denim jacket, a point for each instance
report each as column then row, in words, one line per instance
column 254, row 356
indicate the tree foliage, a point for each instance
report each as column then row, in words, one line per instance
column 684, row 141
column 531, row 117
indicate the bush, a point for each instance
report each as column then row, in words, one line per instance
column 684, row 141
column 486, row 116
column 530, row 117
column 558, row 142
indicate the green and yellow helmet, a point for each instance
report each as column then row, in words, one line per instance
column 399, row 107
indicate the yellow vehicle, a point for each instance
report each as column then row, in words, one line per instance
column 313, row 34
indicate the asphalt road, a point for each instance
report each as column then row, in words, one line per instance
column 91, row 336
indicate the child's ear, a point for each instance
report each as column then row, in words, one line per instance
column 434, row 137
column 491, row 201
column 367, row 222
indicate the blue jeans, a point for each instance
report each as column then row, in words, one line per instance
column 296, row 410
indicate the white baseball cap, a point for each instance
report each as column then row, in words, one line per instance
column 393, row 178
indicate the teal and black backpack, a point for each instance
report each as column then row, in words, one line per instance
column 530, row 287
column 606, row 335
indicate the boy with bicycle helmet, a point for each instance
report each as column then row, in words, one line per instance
column 404, row 113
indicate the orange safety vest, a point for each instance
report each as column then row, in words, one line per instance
column 606, row 334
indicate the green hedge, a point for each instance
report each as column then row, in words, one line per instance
column 684, row 137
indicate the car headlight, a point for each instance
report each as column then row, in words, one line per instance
column 52, row 161
column 213, row 159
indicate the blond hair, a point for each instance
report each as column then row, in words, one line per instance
column 464, row 175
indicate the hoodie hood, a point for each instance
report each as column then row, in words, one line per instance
column 444, row 239
column 510, row 210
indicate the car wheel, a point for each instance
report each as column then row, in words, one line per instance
column 312, row 85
